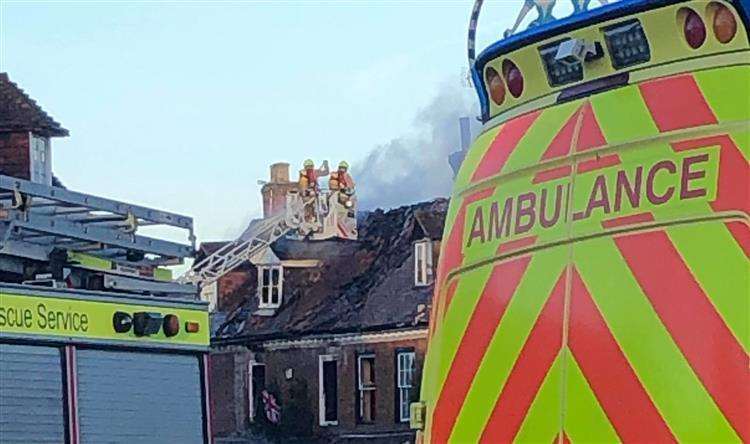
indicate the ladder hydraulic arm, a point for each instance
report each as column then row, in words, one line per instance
column 259, row 235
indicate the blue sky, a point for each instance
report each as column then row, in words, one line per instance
column 182, row 106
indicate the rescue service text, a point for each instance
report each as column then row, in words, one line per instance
column 43, row 318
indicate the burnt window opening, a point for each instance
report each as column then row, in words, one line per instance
column 366, row 388
column 256, row 384
column 423, row 263
column 328, row 391
column 404, row 383
column 270, row 286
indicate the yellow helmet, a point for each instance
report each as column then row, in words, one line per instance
column 308, row 163
column 343, row 164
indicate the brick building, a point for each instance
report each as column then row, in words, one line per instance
column 335, row 331
column 25, row 135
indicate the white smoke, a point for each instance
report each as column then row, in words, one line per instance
column 415, row 168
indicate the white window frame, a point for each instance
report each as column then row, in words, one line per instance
column 210, row 294
column 40, row 161
column 362, row 387
column 251, row 413
column 279, row 286
column 423, row 263
column 405, row 369
column 321, row 392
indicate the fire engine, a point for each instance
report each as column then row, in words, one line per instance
column 97, row 343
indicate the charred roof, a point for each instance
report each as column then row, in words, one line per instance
column 18, row 112
column 361, row 285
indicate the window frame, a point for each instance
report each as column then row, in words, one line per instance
column 279, row 286
column 210, row 294
column 40, row 161
column 403, row 389
column 361, row 389
column 252, row 397
column 423, row 267
column 322, row 421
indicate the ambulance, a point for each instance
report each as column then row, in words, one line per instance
column 594, row 280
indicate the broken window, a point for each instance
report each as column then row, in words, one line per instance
column 270, row 285
column 404, row 382
column 423, row 263
column 366, row 387
column 328, row 390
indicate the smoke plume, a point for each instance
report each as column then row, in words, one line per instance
column 414, row 167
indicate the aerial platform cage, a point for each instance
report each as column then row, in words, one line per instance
column 89, row 242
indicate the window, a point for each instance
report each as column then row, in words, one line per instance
column 41, row 165
column 270, row 285
column 423, row 263
column 404, row 380
column 327, row 390
column 256, row 383
column 209, row 293
column 366, row 388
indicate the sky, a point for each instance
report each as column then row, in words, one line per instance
column 183, row 106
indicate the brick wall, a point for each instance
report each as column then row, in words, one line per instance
column 234, row 287
column 222, row 394
column 14, row 154
column 228, row 387
column 298, row 395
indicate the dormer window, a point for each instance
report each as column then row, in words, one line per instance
column 423, row 263
column 270, row 285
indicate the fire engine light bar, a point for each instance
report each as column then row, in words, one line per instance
column 558, row 71
column 627, row 44
column 146, row 323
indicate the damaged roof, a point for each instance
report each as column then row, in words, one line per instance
column 361, row 285
column 18, row 112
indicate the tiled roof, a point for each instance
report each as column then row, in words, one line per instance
column 18, row 112
column 362, row 285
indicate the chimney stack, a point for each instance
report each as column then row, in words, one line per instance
column 280, row 172
column 274, row 191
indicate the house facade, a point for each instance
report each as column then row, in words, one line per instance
column 324, row 340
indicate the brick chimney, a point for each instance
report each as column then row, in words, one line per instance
column 274, row 192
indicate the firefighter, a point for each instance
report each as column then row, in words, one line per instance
column 308, row 177
column 342, row 184
column 341, row 179
column 309, row 189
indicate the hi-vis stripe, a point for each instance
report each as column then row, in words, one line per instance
column 638, row 336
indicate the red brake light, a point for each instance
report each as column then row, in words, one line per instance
column 725, row 25
column 513, row 78
column 695, row 29
column 192, row 327
column 495, row 85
